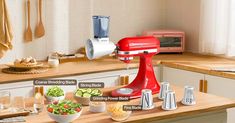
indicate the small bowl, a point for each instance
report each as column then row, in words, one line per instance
column 51, row 99
column 64, row 118
column 117, row 113
column 97, row 106
column 82, row 100
column 120, row 118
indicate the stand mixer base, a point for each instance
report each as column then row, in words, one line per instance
column 131, row 92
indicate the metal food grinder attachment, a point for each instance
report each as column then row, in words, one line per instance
column 144, row 47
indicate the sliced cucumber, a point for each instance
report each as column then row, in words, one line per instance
column 95, row 91
column 79, row 93
column 88, row 90
column 86, row 95
column 83, row 90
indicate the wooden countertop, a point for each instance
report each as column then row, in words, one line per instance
column 186, row 61
column 204, row 103
column 203, row 65
column 68, row 69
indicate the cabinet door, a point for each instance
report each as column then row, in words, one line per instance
column 110, row 78
column 182, row 77
column 222, row 87
column 24, row 89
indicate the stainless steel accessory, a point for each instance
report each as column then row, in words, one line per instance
column 164, row 87
column 125, row 90
column 169, row 102
column 189, row 98
column 146, row 100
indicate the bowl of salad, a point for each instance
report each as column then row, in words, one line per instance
column 82, row 95
column 55, row 93
column 64, row 111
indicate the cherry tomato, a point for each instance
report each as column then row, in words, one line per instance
column 64, row 113
column 66, row 106
column 55, row 102
column 50, row 109
column 78, row 109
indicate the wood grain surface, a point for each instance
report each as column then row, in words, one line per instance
column 186, row 61
column 204, row 103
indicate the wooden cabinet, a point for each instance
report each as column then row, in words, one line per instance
column 181, row 77
column 209, row 84
column 19, row 88
column 221, row 86
column 110, row 79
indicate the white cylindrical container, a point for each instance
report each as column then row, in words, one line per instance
column 53, row 62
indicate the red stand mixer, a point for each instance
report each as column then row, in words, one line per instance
column 145, row 48
column 126, row 49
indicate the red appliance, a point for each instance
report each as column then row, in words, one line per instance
column 171, row 41
column 145, row 48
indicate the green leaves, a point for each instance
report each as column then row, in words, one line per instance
column 55, row 91
column 65, row 107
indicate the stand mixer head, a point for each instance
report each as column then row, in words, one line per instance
column 126, row 49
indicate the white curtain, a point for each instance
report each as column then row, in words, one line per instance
column 217, row 27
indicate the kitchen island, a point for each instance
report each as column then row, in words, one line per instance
column 208, row 109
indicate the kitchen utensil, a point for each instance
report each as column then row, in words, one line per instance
column 13, row 120
column 64, row 118
column 165, row 86
column 24, row 66
column 82, row 100
column 97, row 106
column 101, row 26
column 53, row 63
column 189, row 98
column 116, row 112
column 8, row 114
column 144, row 47
column 146, row 100
column 28, row 33
column 40, row 31
column 5, row 100
column 169, row 102
column 83, row 96
column 51, row 99
column 24, row 71
column 96, row 48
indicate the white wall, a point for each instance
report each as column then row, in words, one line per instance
column 185, row 15
column 68, row 23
